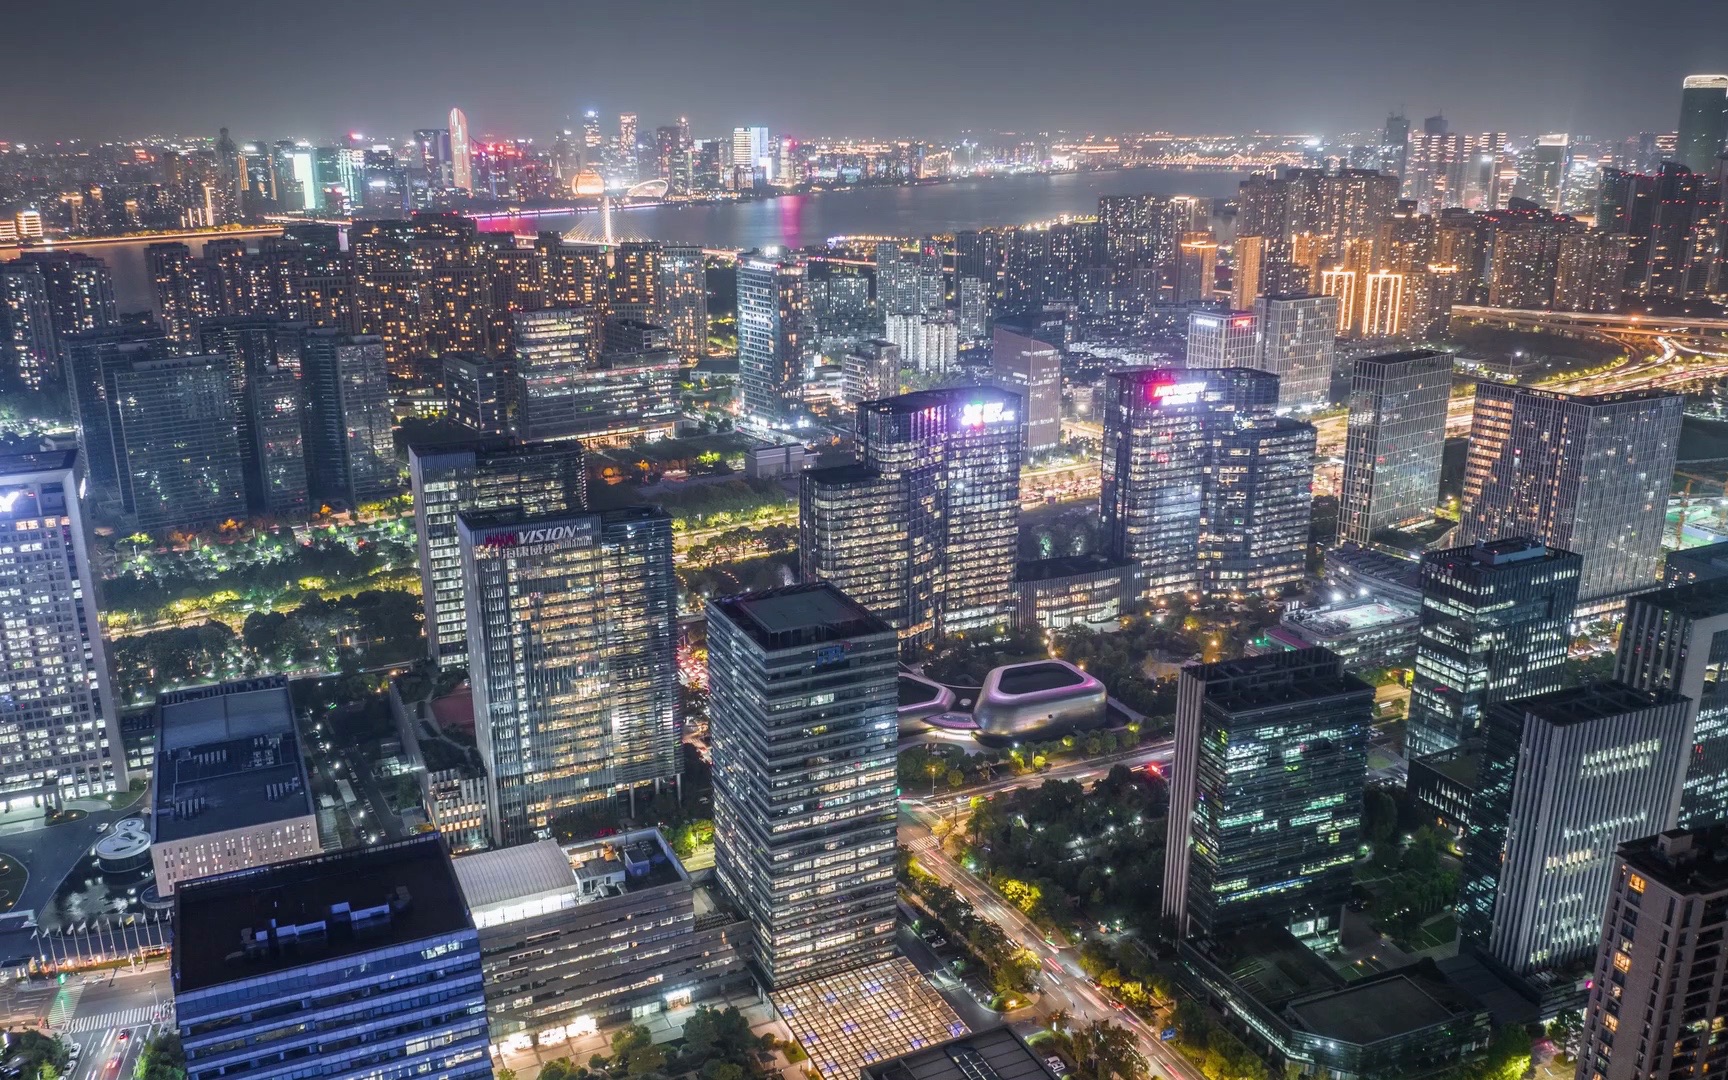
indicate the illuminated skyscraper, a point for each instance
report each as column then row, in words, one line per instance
column 774, row 335
column 59, row 731
column 683, row 300
column 473, row 476
column 1196, row 267
column 350, row 442
column 1031, row 368
column 1265, row 793
column 1588, row 473
column 29, row 355
column 1660, row 963
column 1298, row 335
column 801, row 705
column 174, row 426
column 1203, row 488
column 1223, row 341
column 80, row 290
column 1677, row 639
column 461, row 156
column 1397, row 430
column 924, row 529
column 276, row 442
column 1495, row 626
column 1703, row 122
column 1601, row 761
column 570, row 624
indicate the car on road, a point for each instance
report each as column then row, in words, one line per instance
column 1057, row 1065
column 125, row 1034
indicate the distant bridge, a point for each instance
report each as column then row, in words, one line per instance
column 1619, row 328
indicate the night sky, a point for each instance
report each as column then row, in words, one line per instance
column 315, row 68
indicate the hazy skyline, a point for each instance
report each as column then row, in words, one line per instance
column 890, row 67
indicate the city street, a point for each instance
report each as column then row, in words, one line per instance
column 1065, row 985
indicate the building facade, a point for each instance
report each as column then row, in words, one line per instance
column 1033, row 369
column 1565, row 778
column 350, row 425
column 1223, row 341
column 923, row 530
column 571, row 655
column 802, row 713
column 1586, row 473
column 59, row 728
column 1298, row 336
column 448, row 479
column 1393, row 443
column 1677, row 639
column 1265, row 793
column 1660, row 970
column 775, row 335
column 1495, row 626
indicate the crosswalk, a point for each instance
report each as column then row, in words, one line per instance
column 921, row 843
column 65, row 1004
column 144, row 1014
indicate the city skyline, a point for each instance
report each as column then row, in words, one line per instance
column 1532, row 69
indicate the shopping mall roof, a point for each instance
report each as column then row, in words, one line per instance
column 996, row 1054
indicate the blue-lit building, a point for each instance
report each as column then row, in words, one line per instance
column 358, row 963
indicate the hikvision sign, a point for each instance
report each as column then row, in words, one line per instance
column 551, row 534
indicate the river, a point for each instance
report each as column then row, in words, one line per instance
column 803, row 220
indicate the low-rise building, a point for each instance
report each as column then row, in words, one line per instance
column 581, row 936
column 1689, row 565
column 1074, row 590
column 1044, row 697
column 1287, row 1004
column 1362, row 633
column 1360, row 572
column 1445, row 785
column 230, row 789
column 996, row 1054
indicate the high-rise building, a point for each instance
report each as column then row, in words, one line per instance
column 1196, row 267
column 1542, row 180
column 176, row 440
column 1703, row 122
column 1298, row 336
column 88, row 359
column 775, row 335
column 1031, row 368
column 1393, row 443
column 1565, row 777
column 384, row 925
column 275, row 427
column 1660, row 970
column 1265, row 793
column 1677, row 639
column 567, row 384
column 1203, row 487
column 350, row 446
column 924, row 529
column 802, row 725
column 1397, row 142
column 929, row 341
column 29, row 352
column 1223, row 341
column 473, row 476
column 683, row 300
column 1671, row 222
column 570, row 631
column 59, row 729
column 1495, row 626
column 80, row 291
column 1588, row 473
column 871, row 370
column 461, row 156
column 752, row 156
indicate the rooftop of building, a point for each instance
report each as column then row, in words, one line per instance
column 1260, row 682
column 36, row 461
column 1697, row 599
column 589, row 870
column 1036, row 677
column 1270, row 965
column 1684, row 861
column 1064, row 566
column 996, row 1054
column 1374, row 563
column 1616, row 397
column 227, row 757
column 270, row 919
column 871, row 1014
column 1379, row 1007
column 1405, row 357
column 797, row 615
column 919, row 400
column 1461, row 764
column 916, row 691
column 1595, row 700
column 1350, row 617
column 1515, row 551
column 479, row 520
